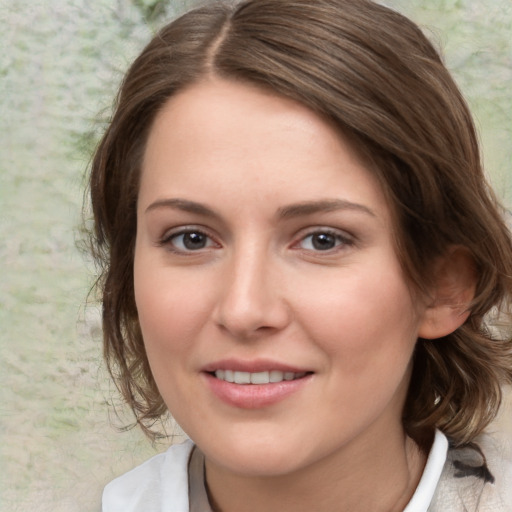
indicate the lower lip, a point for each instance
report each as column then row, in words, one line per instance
column 254, row 396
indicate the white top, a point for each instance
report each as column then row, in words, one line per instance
column 161, row 484
column 431, row 475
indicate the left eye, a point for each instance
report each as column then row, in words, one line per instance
column 190, row 241
column 322, row 241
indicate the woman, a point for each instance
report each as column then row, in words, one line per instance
column 300, row 255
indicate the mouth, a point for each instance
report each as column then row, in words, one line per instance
column 256, row 384
column 257, row 378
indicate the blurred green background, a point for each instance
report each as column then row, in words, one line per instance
column 60, row 64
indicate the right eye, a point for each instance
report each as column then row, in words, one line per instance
column 188, row 240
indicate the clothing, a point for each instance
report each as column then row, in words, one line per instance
column 475, row 478
column 454, row 480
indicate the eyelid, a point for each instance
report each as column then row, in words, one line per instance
column 166, row 239
column 347, row 240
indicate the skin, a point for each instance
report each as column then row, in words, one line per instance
column 238, row 169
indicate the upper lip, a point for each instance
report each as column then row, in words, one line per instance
column 254, row 366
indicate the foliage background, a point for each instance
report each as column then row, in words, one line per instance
column 60, row 64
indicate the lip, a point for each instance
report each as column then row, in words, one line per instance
column 253, row 396
column 257, row 365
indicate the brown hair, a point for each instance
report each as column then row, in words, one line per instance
column 374, row 74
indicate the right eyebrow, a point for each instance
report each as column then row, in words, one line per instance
column 183, row 205
column 328, row 205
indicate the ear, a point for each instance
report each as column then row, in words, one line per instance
column 455, row 279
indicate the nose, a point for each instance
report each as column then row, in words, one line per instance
column 252, row 299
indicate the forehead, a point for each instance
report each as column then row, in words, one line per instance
column 217, row 110
column 222, row 139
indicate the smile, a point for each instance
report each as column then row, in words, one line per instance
column 255, row 384
column 265, row 377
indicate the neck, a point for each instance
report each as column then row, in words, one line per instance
column 380, row 476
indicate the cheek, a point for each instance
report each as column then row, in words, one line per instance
column 368, row 335
column 167, row 306
column 366, row 319
column 170, row 313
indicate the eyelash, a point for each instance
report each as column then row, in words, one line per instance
column 340, row 239
column 168, row 238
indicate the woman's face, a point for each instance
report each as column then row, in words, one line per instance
column 265, row 254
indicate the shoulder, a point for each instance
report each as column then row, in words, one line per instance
column 160, row 483
column 477, row 477
column 498, row 453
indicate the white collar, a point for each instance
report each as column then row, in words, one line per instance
column 431, row 475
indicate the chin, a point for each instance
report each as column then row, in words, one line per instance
column 259, row 464
column 257, row 456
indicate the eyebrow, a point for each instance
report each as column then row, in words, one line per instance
column 328, row 205
column 184, row 205
column 286, row 212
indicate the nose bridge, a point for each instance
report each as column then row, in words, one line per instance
column 251, row 301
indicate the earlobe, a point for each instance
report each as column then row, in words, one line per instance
column 454, row 288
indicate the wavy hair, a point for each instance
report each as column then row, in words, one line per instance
column 372, row 73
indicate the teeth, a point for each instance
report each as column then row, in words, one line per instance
column 257, row 377
column 242, row 378
column 276, row 376
column 260, row 378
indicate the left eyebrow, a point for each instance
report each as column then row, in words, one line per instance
column 328, row 205
column 184, row 205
